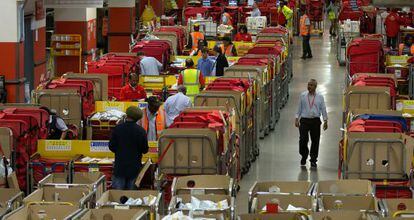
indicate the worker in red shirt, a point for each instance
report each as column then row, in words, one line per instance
column 392, row 28
column 132, row 91
column 243, row 35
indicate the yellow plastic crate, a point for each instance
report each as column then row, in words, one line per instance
column 152, row 152
column 401, row 60
column 157, row 82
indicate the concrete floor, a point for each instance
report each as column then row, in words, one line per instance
column 279, row 157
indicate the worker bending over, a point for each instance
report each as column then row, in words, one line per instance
column 285, row 15
column 129, row 143
column 175, row 104
column 191, row 78
column 57, row 129
column 153, row 120
column 149, row 65
column 132, row 91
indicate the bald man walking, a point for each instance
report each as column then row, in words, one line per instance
column 311, row 108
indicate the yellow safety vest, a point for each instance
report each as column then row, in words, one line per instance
column 288, row 13
column 190, row 81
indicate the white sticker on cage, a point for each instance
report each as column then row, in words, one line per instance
column 198, row 192
column 61, row 186
column 58, row 145
column 99, row 146
column 397, row 73
column 121, row 207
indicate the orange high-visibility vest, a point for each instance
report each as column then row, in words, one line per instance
column 196, row 36
column 304, row 30
column 228, row 51
column 159, row 120
column 401, row 49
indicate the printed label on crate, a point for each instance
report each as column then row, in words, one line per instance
column 58, row 145
column 99, row 146
column 142, row 105
column 113, row 106
column 121, row 207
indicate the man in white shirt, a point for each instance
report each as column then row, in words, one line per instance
column 311, row 108
column 149, row 65
column 175, row 104
column 256, row 11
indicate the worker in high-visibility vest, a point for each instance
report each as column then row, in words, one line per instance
column 153, row 118
column 195, row 37
column 228, row 47
column 407, row 48
column 285, row 15
column 305, row 29
column 191, row 78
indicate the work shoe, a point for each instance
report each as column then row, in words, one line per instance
column 303, row 162
column 303, row 57
column 310, row 56
column 314, row 165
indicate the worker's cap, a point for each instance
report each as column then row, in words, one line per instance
column 134, row 113
column 196, row 25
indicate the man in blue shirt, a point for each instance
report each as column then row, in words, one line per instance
column 311, row 108
column 205, row 64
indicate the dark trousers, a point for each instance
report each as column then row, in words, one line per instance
column 392, row 42
column 306, row 46
column 312, row 127
column 123, row 183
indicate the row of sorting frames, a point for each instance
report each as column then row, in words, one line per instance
column 326, row 196
column 84, row 191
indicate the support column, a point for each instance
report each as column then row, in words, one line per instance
column 12, row 49
column 121, row 24
column 39, row 42
column 80, row 21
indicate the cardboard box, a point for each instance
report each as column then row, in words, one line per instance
column 11, row 180
column 367, row 97
column 78, row 197
column 91, row 180
column 356, row 203
column 214, row 198
column 98, row 214
column 344, row 187
column 115, row 195
column 391, row 206
column 38, row 212
column 279, row 216
column 192, row 151
column 6, row 141
column 10, row 199
column 100, row 82
column 203, row 184
column 344, row 215
column 378, row 155
column 298, row 201
column 285, row 187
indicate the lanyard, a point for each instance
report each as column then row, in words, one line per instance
column 313, row 102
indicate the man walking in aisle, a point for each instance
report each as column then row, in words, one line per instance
column 305, row 27
column 311, row 108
